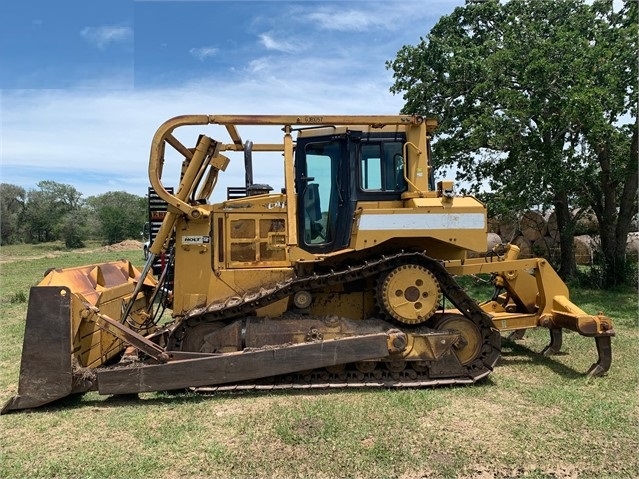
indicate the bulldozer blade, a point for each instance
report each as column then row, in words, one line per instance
column 240, row 366
column 46, row 370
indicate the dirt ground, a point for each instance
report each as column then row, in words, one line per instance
column 125, row 245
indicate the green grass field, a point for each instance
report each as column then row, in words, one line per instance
column 533, row 417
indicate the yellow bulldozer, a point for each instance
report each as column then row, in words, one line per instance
column 344, row 278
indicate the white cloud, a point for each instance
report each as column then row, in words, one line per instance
column 260, row 65
column 373, row 16
column 99, row 141
column 270, row 43
column 350, row 20
column 102, row 37
column 203, row 53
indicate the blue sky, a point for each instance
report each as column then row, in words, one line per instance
column 84, row 84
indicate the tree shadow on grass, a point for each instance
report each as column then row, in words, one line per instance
column 88, row 401
column 517, row 354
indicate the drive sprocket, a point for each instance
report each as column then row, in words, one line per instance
column 409, row 294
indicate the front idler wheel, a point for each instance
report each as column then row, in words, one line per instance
column 470, row 344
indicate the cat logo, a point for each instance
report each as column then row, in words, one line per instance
column 276, row 205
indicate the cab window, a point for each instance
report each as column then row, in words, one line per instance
column 382, row 167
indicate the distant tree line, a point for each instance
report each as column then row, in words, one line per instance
column 56, row 211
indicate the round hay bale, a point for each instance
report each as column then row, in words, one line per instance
column 552, row 229
column 584, row 249
column 545, row 247
column 532, row 225
column 525, row 250
column 587, row 224
column 492, row 240
column 493, row 225
column 507, row 228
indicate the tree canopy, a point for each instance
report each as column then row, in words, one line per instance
column 57, row 211
column 536, row 99
column 120, row 215
column 46, row 208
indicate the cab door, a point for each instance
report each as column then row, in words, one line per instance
column 324, row 192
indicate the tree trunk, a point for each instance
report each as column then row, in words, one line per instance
column 615, row 225
column 566, row 227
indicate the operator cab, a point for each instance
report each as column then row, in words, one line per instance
column 337, row 167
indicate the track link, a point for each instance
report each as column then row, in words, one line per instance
column 319, row 379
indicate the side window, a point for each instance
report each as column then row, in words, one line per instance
column 320, row 198
column 382, row 167
column 394, row 161
column 371, row 167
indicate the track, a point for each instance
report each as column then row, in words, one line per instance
column 371, row 374
column 322, row 379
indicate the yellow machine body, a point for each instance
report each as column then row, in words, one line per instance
column 348, row 272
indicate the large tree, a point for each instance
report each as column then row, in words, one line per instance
column 610, row 129
column 121, row 215
column 46, row 208
column 536, row 99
